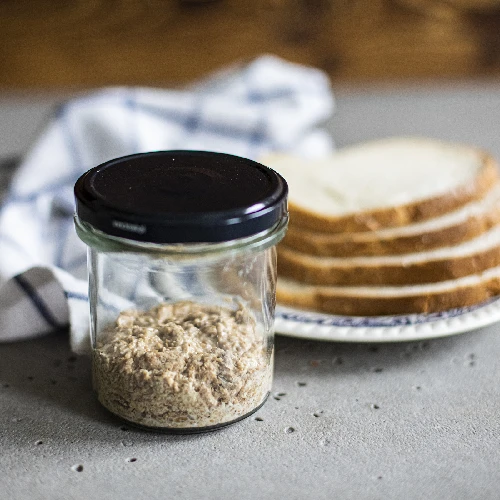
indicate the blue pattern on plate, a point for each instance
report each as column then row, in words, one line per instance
column 374, row 321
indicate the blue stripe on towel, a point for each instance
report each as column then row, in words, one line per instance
column 258, row 96
column 64, row 229
column 69, row 139
column 37, row 301
column 191, row 122
column 84, row 298
column 76, row 296
column 134, row 137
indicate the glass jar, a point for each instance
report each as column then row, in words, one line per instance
column 182, row 277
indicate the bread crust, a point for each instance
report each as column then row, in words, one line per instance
column 298, row 267
column 331, row 301
column 368, row 243
column 402, row 215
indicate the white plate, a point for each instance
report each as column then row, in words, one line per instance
column 400, row 328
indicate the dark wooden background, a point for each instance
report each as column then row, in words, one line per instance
column 86, row 43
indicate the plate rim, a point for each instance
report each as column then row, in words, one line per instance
column 313, row 325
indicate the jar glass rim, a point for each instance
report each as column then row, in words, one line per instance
column 99, row 240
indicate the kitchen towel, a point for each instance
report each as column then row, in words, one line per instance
column 247, row 110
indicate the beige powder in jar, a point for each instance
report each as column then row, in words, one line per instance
column 182, row 365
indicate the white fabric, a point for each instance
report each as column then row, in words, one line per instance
column 267, row 105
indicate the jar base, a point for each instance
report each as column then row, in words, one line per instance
column 188, row 430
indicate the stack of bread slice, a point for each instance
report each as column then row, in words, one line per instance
column 396, row 226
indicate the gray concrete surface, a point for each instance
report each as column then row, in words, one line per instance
column 417, row 420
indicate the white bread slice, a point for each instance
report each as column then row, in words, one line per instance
column 442, row 264
column 387, row 183
column 375, row 301
column 453, row 228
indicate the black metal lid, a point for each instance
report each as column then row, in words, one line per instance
column 181, row 197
